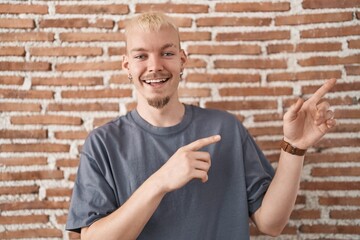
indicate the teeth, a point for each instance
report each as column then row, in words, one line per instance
column 155, row 80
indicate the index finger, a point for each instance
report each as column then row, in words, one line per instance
column 202, row 142
column 325, row 88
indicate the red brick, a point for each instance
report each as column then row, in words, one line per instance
column 37, row 134
column 305, row 214
column 25, row 94
column 345, row 214
column 172, row 8
column 354, row 44
column 195, row 92
column 253, row 36
column 67, row 162
column 313, row 18
column 325, row 228
column 331, row 143
column 64, row 81
column 27, row 37
column 267, row 117
column 23, row 161
column 232, row 21
column 346, row 128
column 195, row 36
column 224, row 49
column 19, row 190
column 58, row 192
column 259, row 131
column 119, row 79
column 35, row 147
column 23, row 8
column 32, row 233
column 12, row 51
column 11, row 80
column 66, row 51
column 331, row 157
column 251, row 63
column 24, row 66
column 31, row 175
column 93, row 9
column 85, row 107
column 219, row 78
column 71, row 135
column 338, row 171
column 304, row 47
column 24, row 219
column 181, row 22
column 106, row 93
column 91, row 37
column 76, row 23
column 307, row 75
column 347, row 113
column 331, row 32
column 195, row 63
column 20, row 107
column 318, row 61
column 339, row 87
column 17, row 23
column 116, row 51
column 313, row 4
column 242, row 105
column 89, row 66
column 352, row 70
column 256, row 91
column 46, row 120
column 253, row 7
column 339, row 201
column 330, row 186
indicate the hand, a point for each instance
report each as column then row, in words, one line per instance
column 307, row 122
column 186, row 164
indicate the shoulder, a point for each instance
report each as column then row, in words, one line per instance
column 215, row 115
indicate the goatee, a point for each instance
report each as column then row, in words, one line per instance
column 158, row 102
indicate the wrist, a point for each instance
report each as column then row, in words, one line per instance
column 286, row 146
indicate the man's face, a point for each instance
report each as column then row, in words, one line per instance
column 155, row 61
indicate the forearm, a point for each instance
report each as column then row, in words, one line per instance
column 280, row 198
column 128, row 221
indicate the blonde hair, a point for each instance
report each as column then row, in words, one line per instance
column 151, row 22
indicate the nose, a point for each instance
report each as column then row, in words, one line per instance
column 155, row 64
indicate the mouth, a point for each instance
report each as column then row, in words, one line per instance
column 156, row 82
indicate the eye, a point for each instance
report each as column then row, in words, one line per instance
column 140, row 56
column 168, row 54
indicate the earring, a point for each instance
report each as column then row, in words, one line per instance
column 130, row 78
column 181, row 74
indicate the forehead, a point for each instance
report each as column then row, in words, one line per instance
column 152, row 40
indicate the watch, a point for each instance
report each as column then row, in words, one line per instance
column 287, row 147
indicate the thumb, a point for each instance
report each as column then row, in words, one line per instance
column 291, row 114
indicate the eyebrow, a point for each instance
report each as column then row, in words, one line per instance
column 168, row 45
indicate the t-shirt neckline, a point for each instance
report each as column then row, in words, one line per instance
column 163, row 130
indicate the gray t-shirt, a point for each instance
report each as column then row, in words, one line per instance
column 119, row 156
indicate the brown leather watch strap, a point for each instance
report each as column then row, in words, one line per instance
column 287, row 147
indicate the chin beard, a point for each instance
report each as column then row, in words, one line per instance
column 158, row 102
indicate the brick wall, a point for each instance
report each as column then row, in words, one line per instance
column 60, row 77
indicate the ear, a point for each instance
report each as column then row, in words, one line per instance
column 125, row 63
column 183, row 58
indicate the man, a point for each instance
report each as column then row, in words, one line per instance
column 172, row 171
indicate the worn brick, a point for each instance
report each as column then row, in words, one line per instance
column 219, row 78
column 58, row 192
column 195, row 36
column 354, row 44
column 11, row 80
column 317, row 61
column 339, row 201
column 11, row 134
column 259, row 91
column 305, row 214
column 76, row 23
column 31, row 175
column 17, row 23
column 24, row 66
column 32, row 233
column 253, row 36
column 20, row 107
column 352, row 70
column 116, row 51
column 91, row 37
column 89, row 66
column 31, row 94
column 23, row 8
column 338, row 171
column 66, row 51
column 232, row 21
column 71, row 134
column 23, row 161
column 304, row 47
column 24, row 219
column 195, row 63
column 35, row 147
column 331, row 32
column 46, row 120
column 67, row 162
column 224, row 49
column 345, row 214
column 251, row 63
column 172, row 8
column 307, row 75
column 313, row 18
column 327, row 228
column 105, row 93
column 19, row 190
column 64, row 81
column 119, row 79
column 85, row 107
column 12, row 51
column 330, row 186
column 241, row 105
column 27, row 37
column 195, row 92
column 331, row 157
column 93, row 9
column 253, row 7
column 314, row 4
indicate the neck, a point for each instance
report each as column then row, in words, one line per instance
column 168, row 116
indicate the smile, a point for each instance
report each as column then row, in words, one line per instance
column 153, row 82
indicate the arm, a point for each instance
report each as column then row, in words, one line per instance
column 304, row 124
column 128, row 221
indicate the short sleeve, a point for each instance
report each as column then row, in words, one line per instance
column 92, row 196
column 258, row 172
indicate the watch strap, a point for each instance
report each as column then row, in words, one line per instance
column 287, row 147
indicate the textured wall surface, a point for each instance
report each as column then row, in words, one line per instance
column 60, row 77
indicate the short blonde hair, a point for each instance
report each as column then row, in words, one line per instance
column 151, row 22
